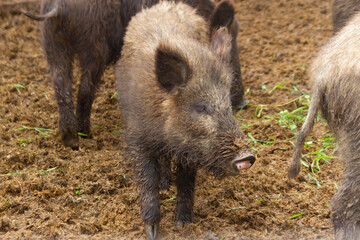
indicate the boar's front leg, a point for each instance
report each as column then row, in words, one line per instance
column 149, row 179
column 185, row 183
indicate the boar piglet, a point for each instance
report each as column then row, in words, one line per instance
column 93, row 32
column 336, row 92
column 342, row 11
column 174, row 95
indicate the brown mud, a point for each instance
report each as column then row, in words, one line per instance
column 49, row 191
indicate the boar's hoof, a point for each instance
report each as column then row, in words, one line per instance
column 151, row 230
column 183, row 219
column 180, row 224
column 70, row 140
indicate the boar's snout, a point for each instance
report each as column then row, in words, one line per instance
column 242, row 161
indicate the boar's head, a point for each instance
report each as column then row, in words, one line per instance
column 200, row 129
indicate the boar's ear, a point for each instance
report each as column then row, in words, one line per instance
column 221, row 44
column 171, row 68
column 223, row 15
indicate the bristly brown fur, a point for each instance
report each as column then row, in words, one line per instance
column 336, row 92
column 174, row 94
column 93, row 31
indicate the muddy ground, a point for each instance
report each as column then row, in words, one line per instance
column 48, row 191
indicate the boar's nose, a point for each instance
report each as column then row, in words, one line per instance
column 243, row 161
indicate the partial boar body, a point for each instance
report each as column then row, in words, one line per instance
column 336, row 92
column 174, row 95
column 342, row 11
column 93, row 31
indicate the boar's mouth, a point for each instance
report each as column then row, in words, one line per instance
column 242, row 162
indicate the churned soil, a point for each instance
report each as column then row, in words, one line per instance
column 48, row 191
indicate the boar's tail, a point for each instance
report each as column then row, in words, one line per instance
column 294, row 168
column 41, row 17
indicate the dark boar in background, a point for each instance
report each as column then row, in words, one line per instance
column 174, row 95
column 93, row 31
column 336, row 92
column 342, row 11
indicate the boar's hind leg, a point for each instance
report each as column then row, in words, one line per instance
column 185, row 183
column 91, row 73
column 149, row 193
column 60, row 64
column 238, row 100
column 345, row 207
column 224, row 16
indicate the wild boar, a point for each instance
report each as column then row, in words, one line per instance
column 174, row 95
column 342, row 11
column 335, row 73
column 93, row 31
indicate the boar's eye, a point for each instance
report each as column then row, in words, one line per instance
column 201, row 109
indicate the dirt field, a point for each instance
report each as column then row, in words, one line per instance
column 48, row 191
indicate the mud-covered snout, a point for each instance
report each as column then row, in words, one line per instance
column 242, row 161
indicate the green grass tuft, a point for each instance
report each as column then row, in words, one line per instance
column 45, row 132
column 11, row 174
column 296, row 215
column 169, row 200
column 45, row 172
column 18, row 87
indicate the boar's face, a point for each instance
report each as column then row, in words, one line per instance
column 200, row 127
